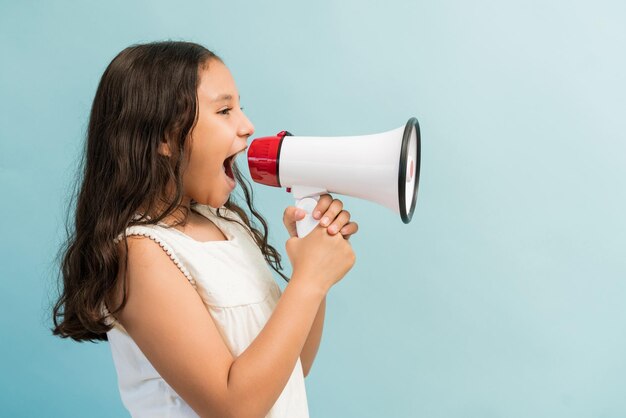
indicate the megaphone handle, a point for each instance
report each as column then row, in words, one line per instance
column 308, row 223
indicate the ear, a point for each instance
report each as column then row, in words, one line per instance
column 164, row 149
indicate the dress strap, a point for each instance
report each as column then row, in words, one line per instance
column 139, row 230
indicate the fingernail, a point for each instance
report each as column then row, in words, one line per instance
column 324, row 220
column 317, row 214
column 332, row 229
column 299, row 212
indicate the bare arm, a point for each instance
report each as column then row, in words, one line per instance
column 338, row 221
column 312, row 344
column 258, row 376
column 169, row 322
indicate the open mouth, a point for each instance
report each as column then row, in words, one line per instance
column 228, row 166
column 229, row 163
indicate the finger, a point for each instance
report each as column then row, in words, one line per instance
column 349, row 229
column 293, row 214
column 342, row 219
column 322, row 205
column 331, row 213
column 290, row 216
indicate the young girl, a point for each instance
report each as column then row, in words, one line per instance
column 163, row 263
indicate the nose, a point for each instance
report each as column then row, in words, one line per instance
column 247, row 128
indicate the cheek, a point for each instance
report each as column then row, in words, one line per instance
column 202, row 173
column 202, row 160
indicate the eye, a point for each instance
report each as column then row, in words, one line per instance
column 225, row 111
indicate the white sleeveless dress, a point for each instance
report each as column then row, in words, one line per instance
column 239, row 291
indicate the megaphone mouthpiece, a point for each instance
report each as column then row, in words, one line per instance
column 264, row 158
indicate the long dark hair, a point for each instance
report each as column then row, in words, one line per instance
column 147, row 95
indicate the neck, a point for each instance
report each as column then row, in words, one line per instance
column 178, row 216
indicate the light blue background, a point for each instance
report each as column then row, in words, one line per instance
column 506, row 294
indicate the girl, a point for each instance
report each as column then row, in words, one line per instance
column 164, row 265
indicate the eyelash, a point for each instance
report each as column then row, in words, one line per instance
column 225, row 111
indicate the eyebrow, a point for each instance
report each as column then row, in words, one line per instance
column 223, row 97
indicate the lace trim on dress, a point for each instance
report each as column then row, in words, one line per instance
column 133, row 231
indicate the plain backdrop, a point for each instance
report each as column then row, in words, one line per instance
column 506, row 294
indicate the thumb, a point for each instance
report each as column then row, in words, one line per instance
column 291, row 215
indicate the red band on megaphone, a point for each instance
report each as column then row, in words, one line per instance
column 264, row 158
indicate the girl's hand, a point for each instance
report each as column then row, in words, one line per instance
column 331, row 213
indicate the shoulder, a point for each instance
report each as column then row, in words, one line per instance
column 146, row 253
column 149, row 278
column 148, row 249
column 147, row 264
column 155, row 236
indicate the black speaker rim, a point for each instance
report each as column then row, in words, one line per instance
column 406, row 140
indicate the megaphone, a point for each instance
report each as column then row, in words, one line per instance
column 382, row 168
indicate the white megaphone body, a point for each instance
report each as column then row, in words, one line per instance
column 382, row 168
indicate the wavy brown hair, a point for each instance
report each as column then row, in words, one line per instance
column 147, row 95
